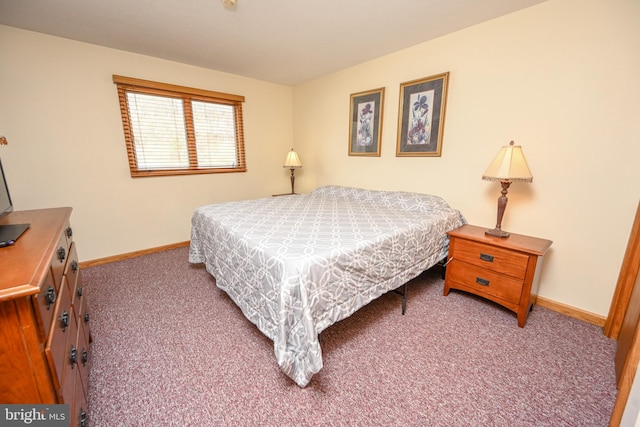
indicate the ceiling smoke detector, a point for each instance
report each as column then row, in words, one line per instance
column 229, row 4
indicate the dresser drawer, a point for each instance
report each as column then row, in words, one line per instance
column 70, row 358
column 482, row 281
column 70, row 380
column 59, row 260
column 75, row 365
column 80, row 307
column 79, row 416
column 45, row 303
column 497, row 259
column 68, row 233
column 83, row 356
column 72, row 271
column 75, row 381
column 63, row 332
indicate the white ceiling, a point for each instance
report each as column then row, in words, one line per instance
column 282, row 41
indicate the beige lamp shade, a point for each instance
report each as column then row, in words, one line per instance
column 509, row 165
column 292, row 160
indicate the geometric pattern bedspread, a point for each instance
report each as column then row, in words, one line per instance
column 297, row 264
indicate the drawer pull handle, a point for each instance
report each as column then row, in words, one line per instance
column 50, row 296
column 73, row 355
column 485, row 257
column 62, row 253
column 69, row 232
column 481, row 281
column 86, row 317
column 74, row 265
column 79, row 292
column 64, row 320
column 83, row 417
column 85, row 356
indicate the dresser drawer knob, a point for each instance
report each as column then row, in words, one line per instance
column 79, row 292
column 69, row 232
column 62, row 253
column 74, row 265
column 64, row 320
column 481, row 281
column 73, row 355
column 85, row 356
column 83, row 417
column 50, row 296
column 485, row 257
column 86, row 317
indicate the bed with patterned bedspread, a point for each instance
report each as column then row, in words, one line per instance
column 297, row 264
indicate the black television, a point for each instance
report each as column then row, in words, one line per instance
column 9, row 233
column 6, row 205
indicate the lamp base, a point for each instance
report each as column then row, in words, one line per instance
column 293, row 182
column 497, row 232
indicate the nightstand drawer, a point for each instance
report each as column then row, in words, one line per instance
column 497, row 259
column 482, row 281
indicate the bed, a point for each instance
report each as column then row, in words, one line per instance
column 297, row 264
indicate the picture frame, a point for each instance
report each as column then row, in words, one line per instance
column 421, row 116
column 365, row 122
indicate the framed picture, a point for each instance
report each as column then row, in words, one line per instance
column 421, row 116
column 365, row 123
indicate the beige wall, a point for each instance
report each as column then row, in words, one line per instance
column 561, row 79
column 59, row 110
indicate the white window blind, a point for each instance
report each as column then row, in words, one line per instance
column 214, row 127
column 159, row 132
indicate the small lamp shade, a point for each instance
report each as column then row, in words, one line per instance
column 509, row 165
column 292, row 160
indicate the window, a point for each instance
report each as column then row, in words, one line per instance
column 177, row 130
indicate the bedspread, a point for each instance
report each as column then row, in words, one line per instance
column 297, row 264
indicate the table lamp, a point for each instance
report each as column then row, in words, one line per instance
column 508, row 166
column 292, row 162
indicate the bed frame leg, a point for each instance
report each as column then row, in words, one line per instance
column 404, row 297
column 443, row 265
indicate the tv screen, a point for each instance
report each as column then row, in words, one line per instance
column 5, row 199
column 9, row 233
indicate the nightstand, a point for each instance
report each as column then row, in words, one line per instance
column 504, row 270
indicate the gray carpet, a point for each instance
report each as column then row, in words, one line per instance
column 170, row 349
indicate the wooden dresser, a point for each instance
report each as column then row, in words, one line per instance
column 501, row 269
column 44, row 322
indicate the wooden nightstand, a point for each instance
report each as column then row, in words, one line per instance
column 503, row 270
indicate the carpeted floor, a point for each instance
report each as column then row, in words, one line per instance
column 170, row 349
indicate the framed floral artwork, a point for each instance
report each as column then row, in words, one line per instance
column 365, row 122
column 421, row 116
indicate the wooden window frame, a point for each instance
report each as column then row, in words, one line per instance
column 129, row 84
